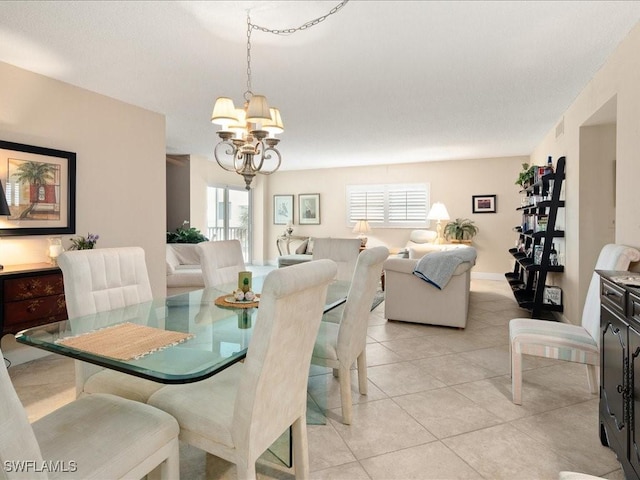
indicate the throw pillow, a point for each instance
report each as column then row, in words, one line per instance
column 302, row 248
column 310, row 247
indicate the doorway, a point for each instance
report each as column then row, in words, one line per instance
column 229, row 216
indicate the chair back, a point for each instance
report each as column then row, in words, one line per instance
column 17, row 440
column 612, row 257
column 104, row 279
column 352, row 335
column 273, row 390
column 343, row 251
column 220, row 261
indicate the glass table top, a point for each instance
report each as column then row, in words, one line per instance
column 221, row 335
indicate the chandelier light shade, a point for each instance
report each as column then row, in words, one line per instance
column 224, row 112
column 438, row 212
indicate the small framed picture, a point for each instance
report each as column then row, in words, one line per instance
column 484, row 203
column 282, row 209
column 309, row 209
column 552, row 295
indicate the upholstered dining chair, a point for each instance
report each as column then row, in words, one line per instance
column 238, row 413
column 343, row 251
column 341, row 344
column 563, row 341
column 220, row 261
column 95, row 437
column 97, row 281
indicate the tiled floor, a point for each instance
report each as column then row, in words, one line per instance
column 439, row 407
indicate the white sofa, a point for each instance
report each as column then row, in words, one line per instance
column 294, row 249
column 408, row 298
column 183, row 268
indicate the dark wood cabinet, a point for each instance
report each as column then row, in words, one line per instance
column 620, row 370
column 30, row 295
column 534, row 256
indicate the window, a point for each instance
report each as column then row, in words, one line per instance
column 388, row 205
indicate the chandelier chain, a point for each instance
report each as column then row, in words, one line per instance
column 248, row 93
column 304, row 26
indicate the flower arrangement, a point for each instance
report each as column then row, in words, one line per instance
column 84, row 243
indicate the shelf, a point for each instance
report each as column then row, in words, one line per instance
column 544, row 233
column 526, row 300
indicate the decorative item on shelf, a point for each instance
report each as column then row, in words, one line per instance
column 542, row 223
column 248, row 142
column 362, row 227
column 84, row 243
column 526, row 176
column 462, row 230
column 438, row 212
column 186, row 234
column 553, row 256
column 552, row 295
column 549, row 167
column 537, row 254
column 289, row 230
column 4, row 208
column 55, row 249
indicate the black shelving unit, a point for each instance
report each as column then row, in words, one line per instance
column 528, row 278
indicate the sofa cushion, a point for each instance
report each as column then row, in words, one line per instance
column 186, row 253
column 302, row 249
column 422, row 236
column 293, row 259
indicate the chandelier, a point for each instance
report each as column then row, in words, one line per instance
column 248, row 135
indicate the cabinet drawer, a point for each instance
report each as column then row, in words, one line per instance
column 32, row 287
column 633, row 307
column 613, row 296
column 34, row 308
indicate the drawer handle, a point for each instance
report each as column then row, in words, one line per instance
column 620, row 389
column 31, row 309
column 612, row 294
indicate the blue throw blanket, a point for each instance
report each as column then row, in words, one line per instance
column 438, row 267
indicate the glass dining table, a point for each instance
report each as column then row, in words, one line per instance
column 217, row 336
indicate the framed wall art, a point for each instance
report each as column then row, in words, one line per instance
column 484, row 203
column 282, row 209
column 40, row 187
column 309, row 209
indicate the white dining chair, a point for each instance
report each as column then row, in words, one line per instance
column 341, row 344
column 97, row 281
column 564, row 341
column 343, row 251
column 221, row 261
column 238, row 413
column 95, row 437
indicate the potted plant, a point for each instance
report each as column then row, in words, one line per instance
column 186, row 235
column 462, row 230
column 526, row 176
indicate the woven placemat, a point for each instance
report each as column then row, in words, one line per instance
column 126, row 341
column 222, row 302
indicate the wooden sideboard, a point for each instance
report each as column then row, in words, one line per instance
column 30, row 295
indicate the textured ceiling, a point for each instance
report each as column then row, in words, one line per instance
column 378, row 82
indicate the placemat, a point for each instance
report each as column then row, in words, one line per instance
column 126, row 341
column 222, row 302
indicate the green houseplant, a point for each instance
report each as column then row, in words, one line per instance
column 186, row 235
column 461, row 230
column 526, row 176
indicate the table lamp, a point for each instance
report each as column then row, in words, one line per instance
column 4, row 207
column 362, row 227
column 438, row 212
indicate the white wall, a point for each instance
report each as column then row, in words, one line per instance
column 452, row 182
column 618, row 79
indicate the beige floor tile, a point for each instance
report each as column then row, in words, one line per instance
column 445, row 412
column 453, row 369
column 325, row 391
column 381, row 427
column 424, row 462
column 350, row 471
column 402, row 378
column 504, row 452
column 395, row 330
column 379, row 354
column 326, row 448
column 414, row 348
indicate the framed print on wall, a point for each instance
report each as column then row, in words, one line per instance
column 40, row 188
column 282, row 209
column 309, row 209
column 484, row 203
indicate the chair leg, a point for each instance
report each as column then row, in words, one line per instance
column 592, row 377
column 300, row 448
column 246, row 471
column 516, row 375
column 362, row 372
column 345, row 394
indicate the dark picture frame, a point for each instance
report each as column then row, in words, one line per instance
column 484, row 203
column 309, row 209
column 40, row 187
column 282, row 209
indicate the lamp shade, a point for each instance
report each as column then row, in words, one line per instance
column 4, row 206
column 258, row 109
column 438, row 212
column 224, row 112
column 274, row 124
column 362, row 226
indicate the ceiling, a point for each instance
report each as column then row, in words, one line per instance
column 379, row 82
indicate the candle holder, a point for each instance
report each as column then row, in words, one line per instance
column 55, row 249
column 244, row 281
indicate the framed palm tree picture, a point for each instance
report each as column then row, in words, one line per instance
column 39, row 185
